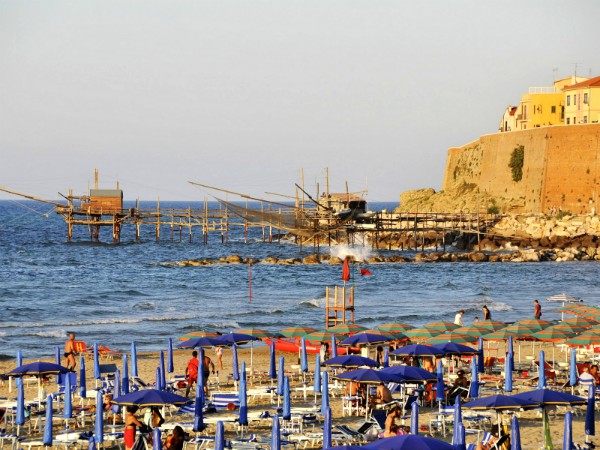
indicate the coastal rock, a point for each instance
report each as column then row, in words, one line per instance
column 477, row 257
column 335, row 260
column 311, row 259
column 375, row 259
column 234, row 259
column 270, row 260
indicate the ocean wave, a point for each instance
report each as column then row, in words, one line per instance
column 360, row 253
column 145, row 305
column 499, row 306
column 313, row 303
column 49, row 333
column 220, row 326
column 70, row 324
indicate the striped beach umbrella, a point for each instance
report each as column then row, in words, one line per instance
column 581, row 321
column 441, row 326
column 198, row 334
column 534, row 324
column 320, row 336
column 294, row 332
column 258, row 333
column 450, row 336
column 474, row 330
column 491, row 325
column 552, row 335
column 346, row 328
column 575, row 329
column 396, row 335
column 421, row 333
column 399, row 326
column 586, row 338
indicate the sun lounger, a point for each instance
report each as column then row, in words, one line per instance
column 221, row 400
column 355, row 435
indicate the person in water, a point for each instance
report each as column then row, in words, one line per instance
column 458, row 318
column 537, row 310
column 70, row 352
column 131, row 425
column 487, row 315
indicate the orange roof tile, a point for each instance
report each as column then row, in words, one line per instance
column 592, row 82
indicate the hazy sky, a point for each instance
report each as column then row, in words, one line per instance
column 243, row 94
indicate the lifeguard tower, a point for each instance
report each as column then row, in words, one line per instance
column 339, row 309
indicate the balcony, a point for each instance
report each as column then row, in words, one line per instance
column 543, row 90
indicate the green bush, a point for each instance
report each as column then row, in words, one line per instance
column 516, row 162
column 493, row 209
column 562, row 214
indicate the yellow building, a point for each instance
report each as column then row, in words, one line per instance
column 582, row 102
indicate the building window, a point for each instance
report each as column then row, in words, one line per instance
column 562, row 113
column 568, row 100
column 524, row 112
column 585, row 98
column 568, row 121
column 584, row 119
column 554, row 110
column 574, row 99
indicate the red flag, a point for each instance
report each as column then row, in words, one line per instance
column 346, row 270
column 365, row 272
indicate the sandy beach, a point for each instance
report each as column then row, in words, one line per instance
column 530, row 422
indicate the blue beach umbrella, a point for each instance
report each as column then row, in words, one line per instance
column 235, row 364
column 287, row 399
column 201, row 342
column 275, row 434
column 333, row 352
column 542, row 371
column 150, row 397
column 317, row 380
column 170, row 364
column 280, row 375
column 220, row 436
column 99, row 422
column 386, row 356
column 158, row 378
column 303, row 355
column 511, row 350
column 243, row 398
column 97, row 374
column 68, row 403
column 198, row 410
column 590, row 414
column 459, row 432
column 82, row 386
column 20, row 413
column 91, row 444
column 272, row 363
column 156, row 439
column 19, row 363
column 325, row 393
column 117, row 391
column 134, row 363
column 59, row 377
column 407, row 442
column 201, row 368
column 235, row 338
column 327, row 429
column 453, row 348
column 366, row 376
column 418, row 350
column 439, row 386
column 500, row 402
column 457, row 420
column 515, row 434
column 47, row 439
column 125, row 379
column 414, row 418
column 365, row 339
column 408, row 374
column 163, row 372
column 480, row 356
column 508, row 370
column 351, row 361
column 568, row 432
column 39, row 368
column 573, row 375
column 474, row 388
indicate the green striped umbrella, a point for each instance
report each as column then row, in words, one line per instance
column 397, row 335
column 568, row 328
column 491, row 325
column 395, row 327
column 321, row 336
column 499, row 335
column 450, row 336
column 197, row 334
column 297, row 331
column 441, row 326
column 522, row 332
column 586, row 338
column 534, row 324
column 473, row 330
column 256, row 332
column 346, row 328
column 581, row 321
column 421, row 333
column 552, row 335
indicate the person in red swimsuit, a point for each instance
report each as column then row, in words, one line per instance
column 131, row 424
column 191, row 372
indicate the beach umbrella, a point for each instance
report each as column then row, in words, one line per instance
column 82, row 386
column 220, row 436
column 508, row 370
column 99, row 421
column 418, row 350
column 117, row 390
column 580, row 322
column 280, row 375
column 19, row 363
column 351, row 361
column 573, row 373
column 590, row 414
column 235, row 364
column 534, row 324
column 149, row 397
column 293, row 332
column 201, row 368
column 272, row 364
column 439, row 387
column 586, row 338
column 59, row 378
column 511, row 350
column 170, row 365
column 407, row 442
column 542, row 371
column 275, row 434
column 257, row 333
column 414, row 418
column 568, row 432
column 243, row 398
column 287, row 399
column 320, row 336
column 156, row 439
column 198, row 410
column 366, row 376
column 68, row 402
column 452, row 348
column 474, row 387
column 38, row 369
column 125, row 380
column 235, row 338
column 402, row 327
column 197, row 334
column 457, row 420
column 473, row 330
column 163, row 373
column 303, row 355
column 346, row 328
column 158, row 378
column 515, row 435
column 564, row 298
column 386, row 356
column 47, row 438
column 499, row 403
column 200, row 342
column 317, row 380
column 20, row 412
column 421, row 333
column 395, row 335
column 134, row 363
column 327, row 429
column 548, row 397
column 325, row 393
column 459, row 432
column 480, row 356
column 441, row 326
column 491, row 325
column 360, row 339
column 571, row 330
column 333, row 350
column 97, row 373
column 409, row 374
column 450, row 336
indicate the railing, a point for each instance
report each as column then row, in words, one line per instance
column 543, row 90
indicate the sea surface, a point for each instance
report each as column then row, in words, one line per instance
column 113, row 294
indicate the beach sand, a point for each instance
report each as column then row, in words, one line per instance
column 530, row 422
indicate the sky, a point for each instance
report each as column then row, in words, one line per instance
column 245, row 95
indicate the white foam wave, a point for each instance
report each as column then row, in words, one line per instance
column 359, row 252
column 315, row 302
column 73, row 324
column 51, row 334
column 230, row 324
column 3, row 333
column 499, row 306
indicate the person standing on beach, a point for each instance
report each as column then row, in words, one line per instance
column 206, row 364
column 191, row 372
column 487, row 315
column 219, row 353
column 458, row 318
column 70, row 352
column 537, row 310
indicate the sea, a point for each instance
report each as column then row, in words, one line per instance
column 113, row 294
